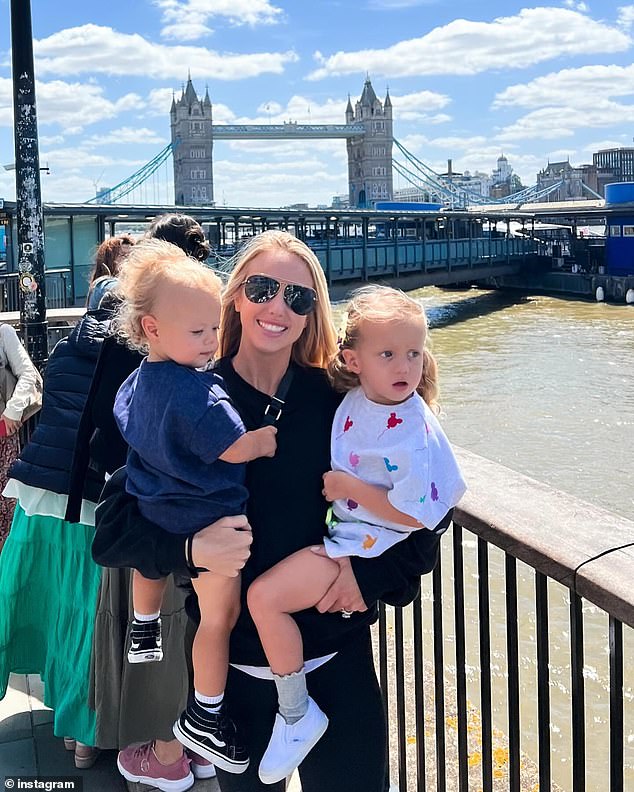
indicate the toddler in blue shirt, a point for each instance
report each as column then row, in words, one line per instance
column 185, row 466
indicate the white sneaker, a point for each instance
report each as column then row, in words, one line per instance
column 290, row 744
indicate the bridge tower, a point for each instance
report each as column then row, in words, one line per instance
column 192, row 148
column 370, row 155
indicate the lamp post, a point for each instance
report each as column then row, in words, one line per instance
column 30, row 232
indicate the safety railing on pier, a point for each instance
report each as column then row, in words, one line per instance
column 514, row 668
column 58, row 290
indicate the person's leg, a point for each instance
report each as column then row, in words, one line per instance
column 146, row 643
column 219, row 603
column 253, row 704
column 351, row 756
column 294, row 584
column 204, row 727
column 147, row 594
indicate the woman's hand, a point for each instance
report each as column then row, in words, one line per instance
column 224, row 546
column 344, row 594
column 12, row 426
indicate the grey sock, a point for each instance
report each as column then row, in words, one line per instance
column 292, row 695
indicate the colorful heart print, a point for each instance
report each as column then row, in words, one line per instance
column 354, row 459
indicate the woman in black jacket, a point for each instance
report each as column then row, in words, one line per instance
column 262, row 338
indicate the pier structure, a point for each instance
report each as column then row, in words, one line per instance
column 367, row 131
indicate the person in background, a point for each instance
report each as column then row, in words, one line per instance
column 48, row 580
column 276, row 319
column 20, row 392
column 110, row 253
column 137, row 704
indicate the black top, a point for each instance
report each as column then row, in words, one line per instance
column 286, row 511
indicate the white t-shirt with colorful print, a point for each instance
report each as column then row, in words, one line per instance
column 402, row 448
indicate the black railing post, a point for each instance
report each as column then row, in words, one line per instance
column 616, row 704
column 30, row 229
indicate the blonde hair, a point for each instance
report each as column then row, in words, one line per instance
column 152, row 263
column 381, row 305
column 318, row 342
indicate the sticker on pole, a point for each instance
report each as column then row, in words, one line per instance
column 28, row 282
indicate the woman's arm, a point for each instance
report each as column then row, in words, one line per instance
column 24, row 371
column 124, row 538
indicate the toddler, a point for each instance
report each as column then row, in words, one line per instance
column 185, row 466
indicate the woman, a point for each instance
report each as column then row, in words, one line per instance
column 266, row 332
column 48, row 580
column 20, row 389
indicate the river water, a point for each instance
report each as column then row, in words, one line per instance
column 544, row 386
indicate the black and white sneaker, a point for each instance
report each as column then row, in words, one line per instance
column 213, row 736
column 146, row 644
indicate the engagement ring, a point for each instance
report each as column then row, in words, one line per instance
column 345, row 614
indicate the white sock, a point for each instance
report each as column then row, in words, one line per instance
column 146, row 617
column 209, row 703
column 292, row 695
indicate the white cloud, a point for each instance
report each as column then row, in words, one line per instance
column 551, row 123
column 392, row 5
column 187, row 19
column 125, row 136
column 578, row 5
column 580, row 87
column 625, row 17
column 72, row 106
column 465, row 47
column 95, row 49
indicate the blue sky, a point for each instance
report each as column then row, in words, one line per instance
column 468, row 80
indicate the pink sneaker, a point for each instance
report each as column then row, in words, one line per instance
column 139, row 763
column 201, row 767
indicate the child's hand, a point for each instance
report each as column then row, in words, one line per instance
column 336, row 485
column 267, row 444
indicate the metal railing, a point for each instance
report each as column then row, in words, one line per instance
column 515, row 655
column 58, row 290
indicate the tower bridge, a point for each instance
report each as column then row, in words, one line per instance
column 367, row 131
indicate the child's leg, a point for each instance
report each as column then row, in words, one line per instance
column 203, row 727
column 146, row 645
column 219, row 602
column 147, row 595
column 296, row 583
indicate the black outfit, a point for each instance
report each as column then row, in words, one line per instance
column 45, row 461
column 287, row 512
column 99, row 446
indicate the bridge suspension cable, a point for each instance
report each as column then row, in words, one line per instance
column 120, row 190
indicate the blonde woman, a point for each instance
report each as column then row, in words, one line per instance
column 276, row 319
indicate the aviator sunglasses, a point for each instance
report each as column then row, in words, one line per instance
column 262, row 289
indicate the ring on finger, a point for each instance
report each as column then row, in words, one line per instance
column 345, row 614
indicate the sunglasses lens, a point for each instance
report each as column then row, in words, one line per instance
column 300, row 299
column 260, row 289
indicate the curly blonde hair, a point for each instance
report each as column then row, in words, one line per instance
column 153, row 263
column 381, row 305
column 318, row 343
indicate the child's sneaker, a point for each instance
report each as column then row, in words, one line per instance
column 290, row 744
column 146, row 644
column 201, row 767
column 213, row 736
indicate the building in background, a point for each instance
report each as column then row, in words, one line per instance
column 613, row 165
column 577, row 183
column 192, row 148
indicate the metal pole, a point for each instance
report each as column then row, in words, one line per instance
column 30, row 230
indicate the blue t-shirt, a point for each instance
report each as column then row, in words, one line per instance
column 177, row 422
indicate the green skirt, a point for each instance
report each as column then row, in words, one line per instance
column 48, row 594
